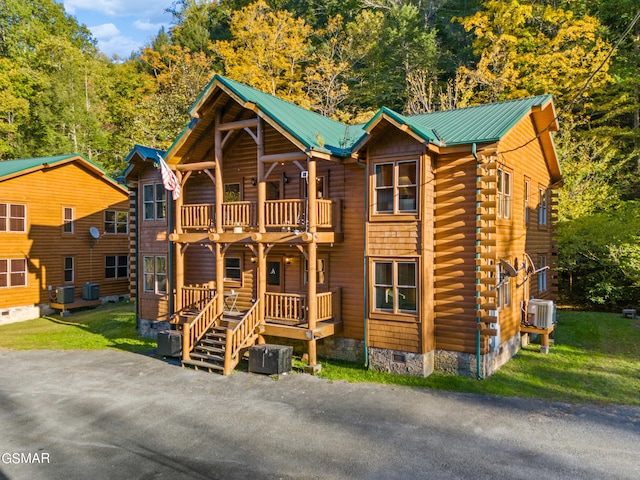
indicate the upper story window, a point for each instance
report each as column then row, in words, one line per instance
column 504, row 194
column 321, row 271
column 116, row 221
column 67, row 220
column 154, row 197
column 395, row 286
column 13, row 217
column 542, row 206
column 232, row 192
column 13, row 272
column 396, row 187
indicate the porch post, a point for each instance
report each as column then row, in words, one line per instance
column 178, row 247
column 312, row 267
column 218, row 212
column 262, row 198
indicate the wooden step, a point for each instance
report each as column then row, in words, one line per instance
column 208, row 349
column 214, row 341
column 199, row 365
column 205, row 357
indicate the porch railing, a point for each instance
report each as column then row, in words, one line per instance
column 286, row 308
column 194, row 330
column 197, row 216
column 325, row 306
column 196, row 297
column 238, row 214
column 278, row 214
column 242, row 336
column 291, row 308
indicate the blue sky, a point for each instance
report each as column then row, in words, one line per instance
column 121, row 26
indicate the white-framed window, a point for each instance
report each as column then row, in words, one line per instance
column 13, row 272
column 396, row 187
column 542, row 206
column 504, row 194
column 395, row 286
column 504, row 287
column 321, row 271
column 116, row 266
column 542, row 274
column 68, row 269
column 232, row 192
column 154, row 199
column 67, row 220
column 155, row 274
column 13, row 217
column 233, row 269
column 116, row 221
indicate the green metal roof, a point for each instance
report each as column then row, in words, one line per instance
column 478, row 124
column 25, row 165
column 311, row 129
column 9, row 167
column 483, row 123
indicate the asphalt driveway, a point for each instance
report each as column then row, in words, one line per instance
column 111, row 414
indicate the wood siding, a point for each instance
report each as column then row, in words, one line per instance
column 401, row 237
column 46, row 193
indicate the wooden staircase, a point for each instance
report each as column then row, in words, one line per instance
column 216, row 343
column 209, row 353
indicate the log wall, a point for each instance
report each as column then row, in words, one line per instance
column 46, row 193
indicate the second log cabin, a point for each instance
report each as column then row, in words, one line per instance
column 411, row 243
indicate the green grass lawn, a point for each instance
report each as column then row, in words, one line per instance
column 595, row 357
column 109, row 326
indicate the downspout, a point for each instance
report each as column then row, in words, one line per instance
column 136, row 254
column 170, row 212
column 365, row 266
column 477, row 256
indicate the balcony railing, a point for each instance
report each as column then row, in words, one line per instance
column 291, row 308
column 290, row 213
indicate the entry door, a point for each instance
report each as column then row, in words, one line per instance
column 274, row 276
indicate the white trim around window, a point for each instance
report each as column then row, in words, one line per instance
column 13, row 272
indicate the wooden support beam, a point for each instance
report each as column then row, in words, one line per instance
column 186, row 167
column 283, row 157
column 238, row 125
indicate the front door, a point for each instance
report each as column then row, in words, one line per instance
column 274, row 276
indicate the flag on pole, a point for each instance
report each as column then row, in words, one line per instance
column 169, row 178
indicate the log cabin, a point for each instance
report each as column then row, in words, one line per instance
column 63, row 233
column 411, row 243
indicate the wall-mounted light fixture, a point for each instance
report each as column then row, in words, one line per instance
column 254, row 182
column 285, row 179
column 254, row 259
column 287, row 260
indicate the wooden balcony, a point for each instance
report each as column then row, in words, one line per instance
column 289, row 213
column 286, row 315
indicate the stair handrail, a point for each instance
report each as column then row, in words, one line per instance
column 194, row 330
column 241, row 336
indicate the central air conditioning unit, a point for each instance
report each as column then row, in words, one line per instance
column 540, row 313
column 65, row 294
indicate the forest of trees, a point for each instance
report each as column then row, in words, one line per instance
column 346, row 59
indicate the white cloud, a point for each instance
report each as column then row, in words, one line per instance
column 154, row 11
column 146, row 26
column 119, row 45
column 105, row 31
